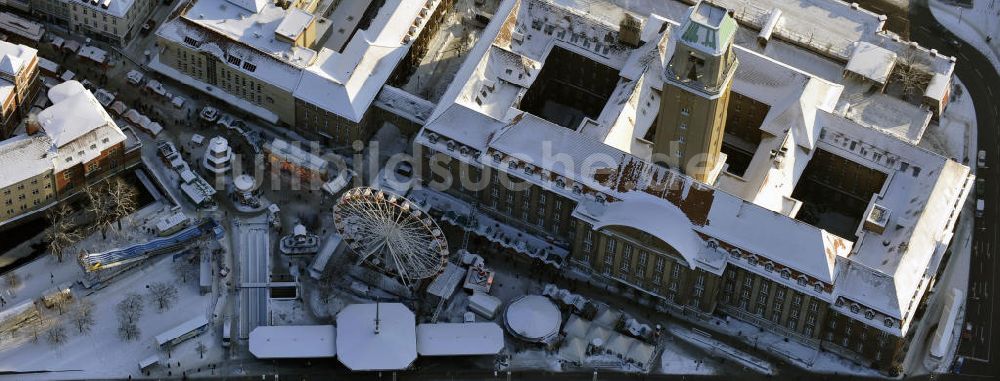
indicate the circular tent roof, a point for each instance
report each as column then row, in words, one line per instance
column 393, row 347
column 533, row 318
column 243, row 183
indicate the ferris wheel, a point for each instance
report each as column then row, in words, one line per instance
column 390, row 233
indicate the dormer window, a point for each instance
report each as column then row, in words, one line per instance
column 802, row 280
column 888, row 322
column 818, row 287
column 786, row 274
column 869, row 314
column 855, row 308
column 769, row 267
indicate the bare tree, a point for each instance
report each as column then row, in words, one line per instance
column 83, row 316
column 130, row 308
column 124, row 199
column 56, row 335
column 184, row 267
column 99, row 207
column 912, row 72
column 325, row 287
column 127, row 330
column 201, row 348
column 164, row 294
column 62, row 232
column 61, row 301
column 13, row 281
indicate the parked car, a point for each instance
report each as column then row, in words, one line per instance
column 980, row 207
column 134, row 77
column 981, row 159
column 147, row 27
column 980, row 187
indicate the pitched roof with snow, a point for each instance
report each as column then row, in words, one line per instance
column 13, row 57
column 74, row 113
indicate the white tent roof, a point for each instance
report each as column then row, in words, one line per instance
column 459, row 339
column 533, row 317
column 393, row 347
column 293, row 341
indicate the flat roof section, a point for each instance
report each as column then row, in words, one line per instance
column 293, row 341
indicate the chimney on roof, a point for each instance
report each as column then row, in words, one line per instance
column 877, row 219
column 629, row 30
column 31, row 124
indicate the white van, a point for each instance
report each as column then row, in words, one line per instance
column 226, row 329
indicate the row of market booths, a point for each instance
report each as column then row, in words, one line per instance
column 594, row 335
column 376, row 337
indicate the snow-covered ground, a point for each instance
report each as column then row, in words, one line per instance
column 101, row 353
column 677, row 359
column 973, row 25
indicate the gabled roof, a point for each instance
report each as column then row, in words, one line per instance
column 14, row 56
column 74, row 112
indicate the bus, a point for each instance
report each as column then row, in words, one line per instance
column 184, row 331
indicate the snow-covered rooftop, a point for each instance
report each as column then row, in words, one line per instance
column 362, row 348
column 25, row 157
column 811, row 106
column 533, row 318
column 13, row 57
column 343, row 77
column 254, row 29
column 923, row 193
column 871, row 62
column 294, row 23
column 293, row 341
column 832, row 26
column 74, row 113
column 459, row 339
column 24, row 28
column 116, row 8
column 181, row 329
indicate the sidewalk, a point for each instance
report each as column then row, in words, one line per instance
column 973, row 25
